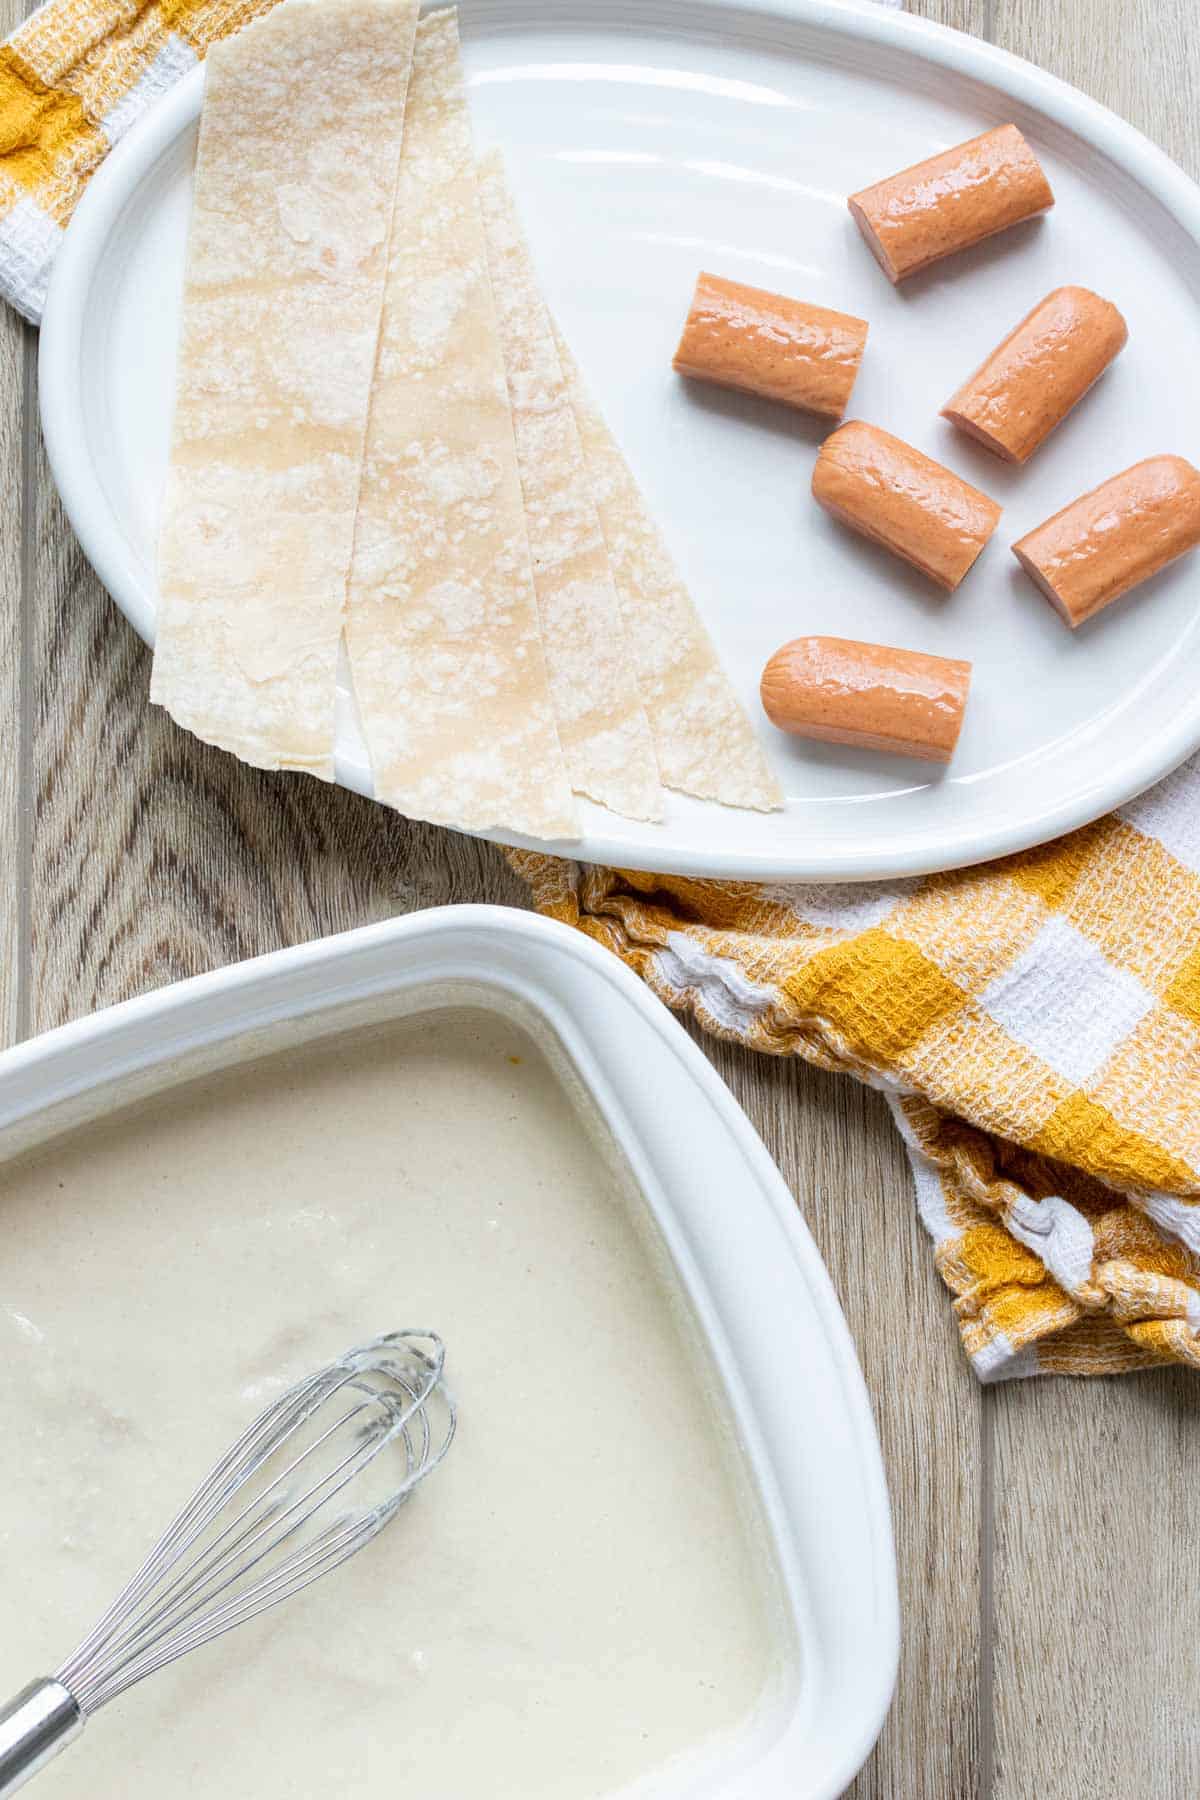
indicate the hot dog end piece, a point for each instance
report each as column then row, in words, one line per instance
column 880, row 486
column 839, row 691
column 1109, row 540
column 951, row 201
column 1042, row 369
column 766, row 344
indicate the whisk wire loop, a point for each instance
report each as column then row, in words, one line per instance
column 208, row 1574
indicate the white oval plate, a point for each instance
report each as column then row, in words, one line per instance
column 646, row 141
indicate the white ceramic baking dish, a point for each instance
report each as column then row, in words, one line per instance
column 757, row 1286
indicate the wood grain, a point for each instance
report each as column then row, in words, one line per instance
column 1139, row 57
column 1096, row 1662
column 16, row 344
column 13, row 354
column 960, row 15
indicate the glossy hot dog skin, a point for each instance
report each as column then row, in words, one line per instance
column 1109, row 540
column 951, row 201
column 891, row 493
column 840, row 691
column 1045, row 366
column 763, row 343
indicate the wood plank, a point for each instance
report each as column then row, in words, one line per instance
column 960, row 15
column 15, row 352
column 1142, row 60
column 1097, row 1663
column 17, row 348
column 841, row 1156
column 1096, row 1660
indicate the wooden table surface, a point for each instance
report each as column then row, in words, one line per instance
column 1047, row 1531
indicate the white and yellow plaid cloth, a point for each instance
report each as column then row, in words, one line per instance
column 73, row 78
column 1035, row 1023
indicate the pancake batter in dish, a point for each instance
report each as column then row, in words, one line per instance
column 575, row 1598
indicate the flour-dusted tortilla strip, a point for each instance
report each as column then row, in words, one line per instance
column 442, row 623
column 601, row 721
column 295, row 179
column 704, row 740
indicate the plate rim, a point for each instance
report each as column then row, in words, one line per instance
column 920, row 853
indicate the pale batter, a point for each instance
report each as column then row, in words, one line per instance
column 573, row 1599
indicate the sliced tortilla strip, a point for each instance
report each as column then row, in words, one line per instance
column 602, row 724
column 442, row 623
column 705, row 743
column 295, row 180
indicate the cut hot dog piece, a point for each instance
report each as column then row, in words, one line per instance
column 840, row 691
column 1124, row 531
column 763, row 343
column 951, row 202
column 1031, row 381
column 891, row 493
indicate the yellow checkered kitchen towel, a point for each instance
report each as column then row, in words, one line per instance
column 73, row 78
column 1036, row 1023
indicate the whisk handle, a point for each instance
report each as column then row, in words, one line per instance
column 39, row 1722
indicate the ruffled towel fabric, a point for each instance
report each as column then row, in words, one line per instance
column 1035, row 1024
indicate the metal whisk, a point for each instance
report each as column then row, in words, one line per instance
column 256, row 1531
